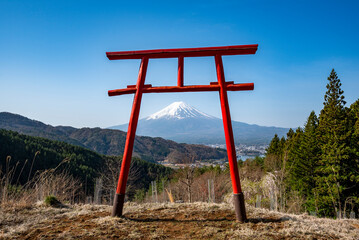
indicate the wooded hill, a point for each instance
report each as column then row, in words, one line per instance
column 111, row 142
column 32, row 154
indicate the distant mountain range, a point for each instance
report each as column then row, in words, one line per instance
column 181, row 122
column 111, row 142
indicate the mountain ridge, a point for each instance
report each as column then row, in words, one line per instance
column 109, row 141
column 181, row 122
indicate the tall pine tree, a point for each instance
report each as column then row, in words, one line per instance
column 354, row 127
column 335, row 169
column 302, row 160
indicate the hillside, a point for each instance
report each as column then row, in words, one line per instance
column 42, row 154
column 181, row 122
column 167, row 221
column 83, row 164
column 110, row 142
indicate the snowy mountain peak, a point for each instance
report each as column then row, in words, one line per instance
column 179, row 110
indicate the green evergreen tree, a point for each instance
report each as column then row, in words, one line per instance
column 303, row 159
column 354, row 145
column 310, row 151
column 354, row 126
column 274, row 145
column 274, row 154
column 290, row 134
column 335, row 173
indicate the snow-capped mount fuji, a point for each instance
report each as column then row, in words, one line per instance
column 179, row 110
column 181, row 122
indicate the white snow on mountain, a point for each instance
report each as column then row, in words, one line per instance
column 179, row 110
column 183, row 123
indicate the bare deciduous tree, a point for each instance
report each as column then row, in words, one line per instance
column 110, row 174
column 186, row 177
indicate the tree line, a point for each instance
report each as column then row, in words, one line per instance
column 319, row 163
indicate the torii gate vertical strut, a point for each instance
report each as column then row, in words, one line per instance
column 221, row 86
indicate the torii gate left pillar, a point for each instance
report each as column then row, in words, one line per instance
column 221, row 86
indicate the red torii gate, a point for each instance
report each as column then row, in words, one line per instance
column 221, row 86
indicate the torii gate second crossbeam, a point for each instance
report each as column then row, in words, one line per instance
column 221, row 86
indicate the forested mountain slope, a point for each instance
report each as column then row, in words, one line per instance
column 111, row 142
column 26, row 155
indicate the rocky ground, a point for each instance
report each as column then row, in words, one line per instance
column 166, row 221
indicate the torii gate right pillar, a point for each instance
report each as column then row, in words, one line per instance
column 238, row 198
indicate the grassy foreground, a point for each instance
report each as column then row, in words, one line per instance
column 166, row 221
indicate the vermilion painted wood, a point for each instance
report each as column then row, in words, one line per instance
column 184, row 52
column 222, row 86
column 230, row 82
column 134, row 86
column 227, row 124
column 127, row 154
column 180, row 72
column 195, row 88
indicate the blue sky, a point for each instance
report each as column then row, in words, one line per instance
column 53, row 66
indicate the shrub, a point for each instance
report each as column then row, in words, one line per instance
column 52, row 201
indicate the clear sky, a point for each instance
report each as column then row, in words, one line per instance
column 53, row 66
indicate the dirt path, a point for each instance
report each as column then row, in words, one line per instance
column 167, row 221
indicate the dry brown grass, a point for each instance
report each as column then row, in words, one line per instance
column 44, row 183
column 166, row 221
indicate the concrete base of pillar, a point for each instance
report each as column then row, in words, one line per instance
column 118, row 205
column 238, row 200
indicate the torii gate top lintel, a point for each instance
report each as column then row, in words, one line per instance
column 180, row 53
column 184, row 52
column 221, row 86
